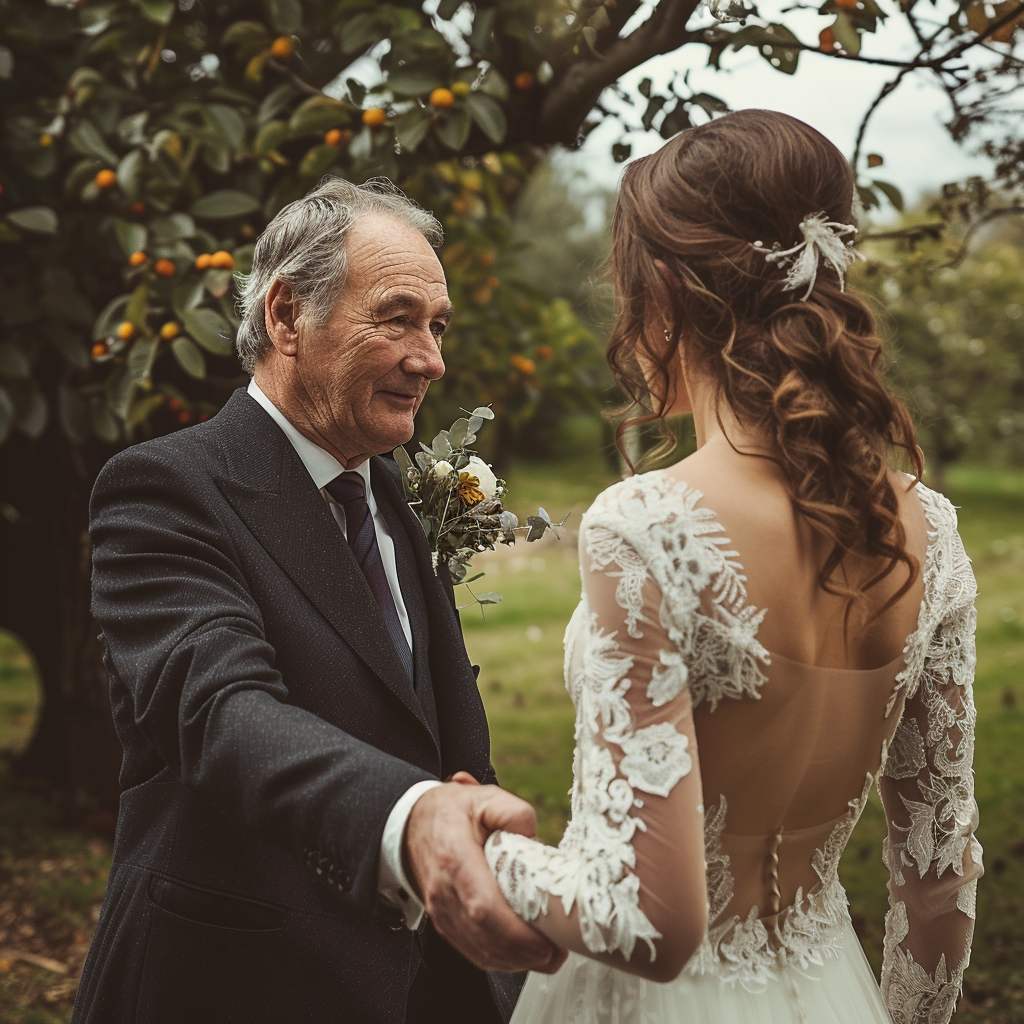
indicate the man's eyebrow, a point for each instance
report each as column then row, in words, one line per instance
column 401, row 302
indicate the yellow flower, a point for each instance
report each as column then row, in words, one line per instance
column 468, row 489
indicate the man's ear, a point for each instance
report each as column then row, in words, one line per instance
column 279, row 316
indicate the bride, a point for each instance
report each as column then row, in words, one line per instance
column 767, row 629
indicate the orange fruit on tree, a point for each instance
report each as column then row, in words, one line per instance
column 461, row 88
column 184, row 416
column 442, row 98
column 169, row 330
column 333, row 137
column 137, row 258
column 99, row 350
column 374, row 117
column 125, row 330
column 165, row 268
column 45, row 139
column 492, row 282
column 203, row 261
column 282, row 47
column 105, row 178
column 827, row 40
column 137, row 208
column 848, row 5
column 524, row 80
column 222, row 260
column 487, row 259
column 545, row 352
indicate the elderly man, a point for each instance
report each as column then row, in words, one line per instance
column 288, row 677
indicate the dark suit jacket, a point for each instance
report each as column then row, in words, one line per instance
column 268, row 730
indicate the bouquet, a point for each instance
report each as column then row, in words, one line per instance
column 458, row 500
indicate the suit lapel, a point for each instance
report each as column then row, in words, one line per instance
column 268, row 487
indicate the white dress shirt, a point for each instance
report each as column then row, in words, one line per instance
column 392, row 882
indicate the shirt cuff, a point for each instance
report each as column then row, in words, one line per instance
column 392, row 881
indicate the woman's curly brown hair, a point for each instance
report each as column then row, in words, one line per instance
column 804, row 373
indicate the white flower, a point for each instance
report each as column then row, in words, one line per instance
column 442, row 470
column 486, row 480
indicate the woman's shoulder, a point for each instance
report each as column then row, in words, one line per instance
column 644, row 500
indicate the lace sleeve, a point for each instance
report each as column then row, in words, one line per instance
column 626, row 884
column 927, row 788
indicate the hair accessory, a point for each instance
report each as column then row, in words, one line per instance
column 823, row 240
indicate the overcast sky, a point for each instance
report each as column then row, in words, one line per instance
column 831, row 95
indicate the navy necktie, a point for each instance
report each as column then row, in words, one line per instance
column 349, row 491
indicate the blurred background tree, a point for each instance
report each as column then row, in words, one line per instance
column 147, row 142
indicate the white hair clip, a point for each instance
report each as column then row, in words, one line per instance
column 823, row 240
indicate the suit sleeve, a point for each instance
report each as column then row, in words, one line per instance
column 186, row 638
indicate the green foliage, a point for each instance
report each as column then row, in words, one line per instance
column 143, row 139
column 958, row 348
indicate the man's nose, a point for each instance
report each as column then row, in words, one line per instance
column 425, row 360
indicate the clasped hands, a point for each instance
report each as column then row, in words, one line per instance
column 444, row 854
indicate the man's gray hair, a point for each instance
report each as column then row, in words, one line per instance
column 304, row 247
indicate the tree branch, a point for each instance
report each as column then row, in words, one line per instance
column 301, row 84
column 574, row 96
column 961, row 254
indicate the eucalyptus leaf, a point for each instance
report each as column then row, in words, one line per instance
column 485, row 412
column 490, row 597
column 458, row 433
column 403, row 462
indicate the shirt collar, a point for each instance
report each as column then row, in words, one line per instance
column 321, row 465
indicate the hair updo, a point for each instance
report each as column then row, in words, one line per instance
column 804, row 374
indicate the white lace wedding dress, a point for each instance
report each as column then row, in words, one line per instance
column 681, row 712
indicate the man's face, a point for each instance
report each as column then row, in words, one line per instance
column 362, row 375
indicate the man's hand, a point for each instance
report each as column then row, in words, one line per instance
column 444, row 850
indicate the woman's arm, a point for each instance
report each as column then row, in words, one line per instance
column 626, row 885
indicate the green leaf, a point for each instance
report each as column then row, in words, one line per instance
column 33, row 414
column 104, row 423
column 316, row 160
column 209, row 328
column 891, row 192
column 173, row 227
column 868, row 197
column 85, row 138
column 447, row 9
column 411, row 129
column 489, row 115
column 141, row 410
column 227, row 122
column 131, row 236
column 39, row 219
column 318, row 114
column 412, row 82
column 361, row 32
column 274, row 102
column 846, row 34
column 453, row 128
column 160, row 12
column 285, row 15
column 189, row 356
column 138, row 306
column 13, row 362
column 140, row 358
column 621, row 151
column 241, row 32
column 6, row 414
column 73, row 414
column 187, row 296
column 129, row 173
column 225, row 202
column 110, row 317
column 270, row 137
column 654, row 105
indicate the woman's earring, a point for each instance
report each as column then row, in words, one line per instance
column 668, row 335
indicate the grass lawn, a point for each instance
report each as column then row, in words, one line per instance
column 51, row 876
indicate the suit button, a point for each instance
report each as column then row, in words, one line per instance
column 344, row 881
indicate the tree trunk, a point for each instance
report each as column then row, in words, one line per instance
column 45, row 552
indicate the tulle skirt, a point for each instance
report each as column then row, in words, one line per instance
column 843, row 990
